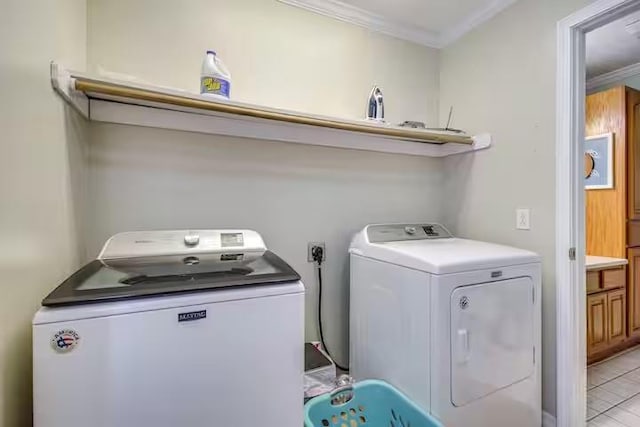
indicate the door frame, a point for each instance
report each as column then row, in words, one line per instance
column 570, row 242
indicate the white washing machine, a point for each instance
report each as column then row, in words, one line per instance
column 173, row 328
column 453, row 323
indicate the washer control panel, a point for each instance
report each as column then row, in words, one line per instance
column 400, row 232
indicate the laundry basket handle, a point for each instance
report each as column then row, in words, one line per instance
column 343, row 392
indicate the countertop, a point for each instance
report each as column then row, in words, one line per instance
column 601, row 262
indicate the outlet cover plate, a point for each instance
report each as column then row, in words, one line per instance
column 310, row 247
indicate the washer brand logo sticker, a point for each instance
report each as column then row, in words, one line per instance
column 193, row 315
column 65, row 340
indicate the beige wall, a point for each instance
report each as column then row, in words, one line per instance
column 500, row 78
column 292, row 194
column 281, row 56
column 38, row 188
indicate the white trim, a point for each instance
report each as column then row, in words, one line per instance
column 120, row 108
column 61, row 83
column 363, row 18
column 570, row 305
column 357, row 16
column 269, row 130
column 472, row 21
column 548, row 420
column 610, row 183
column 570, row 212
column 597, row 83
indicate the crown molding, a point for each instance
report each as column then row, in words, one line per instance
column 357, row 16
column 474, row 20
column 615, row 76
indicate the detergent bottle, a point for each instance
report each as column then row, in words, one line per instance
column 215, row 79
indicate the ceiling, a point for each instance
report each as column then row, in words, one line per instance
column 612, row 47
column 434, row 23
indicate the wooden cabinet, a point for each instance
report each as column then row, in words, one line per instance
column 634, row 292
column 593, row 281
column 633, row 153
column 607, row 311
column 617, row 316
column 610, row 211
column 633, row 219
column 606, row 210
column 614, row 278
column 596, row 323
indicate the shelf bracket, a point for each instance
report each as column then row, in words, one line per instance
column 62, row 82
column 480, row 142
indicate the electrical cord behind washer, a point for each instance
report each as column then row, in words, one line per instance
column 317, row 254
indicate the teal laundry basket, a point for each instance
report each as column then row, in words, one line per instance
column 369, row 403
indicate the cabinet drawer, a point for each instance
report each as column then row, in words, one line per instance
column 614, row 278
column 593, row 281
column 633, row 233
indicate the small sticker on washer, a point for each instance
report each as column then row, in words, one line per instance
column 231, row 239
column 65, row 340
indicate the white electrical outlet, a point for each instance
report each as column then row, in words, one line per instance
column 523, row 219
column 310, row 247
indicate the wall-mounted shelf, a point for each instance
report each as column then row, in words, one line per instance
column 132, row 103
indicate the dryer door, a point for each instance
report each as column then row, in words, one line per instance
column 492, row 342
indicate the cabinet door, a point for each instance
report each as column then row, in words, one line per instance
column 597, row 331
column 616, row 316
column 633, row 149
column 633, row 292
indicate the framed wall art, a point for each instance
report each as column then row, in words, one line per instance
column 598, row 162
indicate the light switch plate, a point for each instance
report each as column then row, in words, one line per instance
column 523, row 219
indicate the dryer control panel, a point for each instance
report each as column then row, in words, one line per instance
column 400, row 232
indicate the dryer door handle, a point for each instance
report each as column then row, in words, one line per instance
column 464, row 350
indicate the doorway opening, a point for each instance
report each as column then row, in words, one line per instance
column 612, row 168
column 593, row 307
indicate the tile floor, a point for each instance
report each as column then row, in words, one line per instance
column 613, row 391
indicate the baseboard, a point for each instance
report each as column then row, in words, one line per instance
column 616, row 350
column 548, row 420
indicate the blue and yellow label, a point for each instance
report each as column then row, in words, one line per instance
column 215, row 86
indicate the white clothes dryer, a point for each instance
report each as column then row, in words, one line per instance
column 453, row 323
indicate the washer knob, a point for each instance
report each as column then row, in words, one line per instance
column 191, row 239
column 410, row 230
